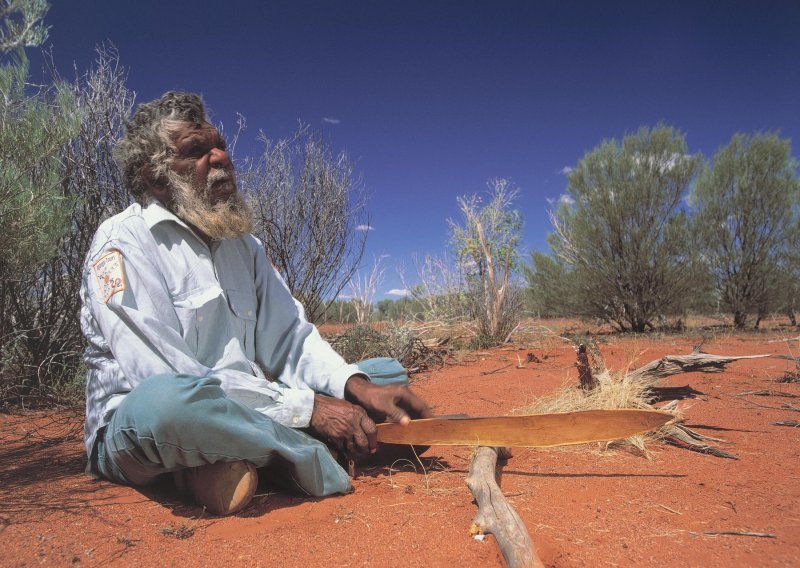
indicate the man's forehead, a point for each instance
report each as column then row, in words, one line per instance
column 183, row 130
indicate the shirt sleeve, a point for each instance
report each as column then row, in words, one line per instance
column 287, row 345
column 138, row 324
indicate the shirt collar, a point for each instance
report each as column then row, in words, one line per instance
column 155, row 212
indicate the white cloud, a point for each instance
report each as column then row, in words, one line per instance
column 565, row 199
column 364, row 228
column 331, row 120
column 399, row 292
column 566, row 170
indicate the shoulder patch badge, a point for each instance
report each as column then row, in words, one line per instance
column 109, row 274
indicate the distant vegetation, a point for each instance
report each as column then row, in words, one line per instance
column 646, row 231
column 649, row 231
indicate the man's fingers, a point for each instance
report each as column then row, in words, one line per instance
column 413, row 404
column 371, row 432
column 361, row 442
column 396, row 413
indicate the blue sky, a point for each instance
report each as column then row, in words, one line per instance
column 432, row 99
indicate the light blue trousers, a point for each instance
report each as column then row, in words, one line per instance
column 174, row 421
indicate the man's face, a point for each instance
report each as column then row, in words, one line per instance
column 202, row 186
column 200, row 154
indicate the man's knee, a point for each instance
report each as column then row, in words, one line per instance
column 170, row 401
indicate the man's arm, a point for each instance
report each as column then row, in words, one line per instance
column 287, row 345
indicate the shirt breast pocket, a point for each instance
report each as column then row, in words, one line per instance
column 193, row 309
column 245, row 308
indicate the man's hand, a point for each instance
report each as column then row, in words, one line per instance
column 392, row 403
column 345, row 425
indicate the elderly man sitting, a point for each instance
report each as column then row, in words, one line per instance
column 199, row 360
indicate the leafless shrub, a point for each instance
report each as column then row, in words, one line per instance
column 442, row 290
column 363, row 288
column 309, row 209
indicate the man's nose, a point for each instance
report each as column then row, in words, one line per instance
column 219, row 159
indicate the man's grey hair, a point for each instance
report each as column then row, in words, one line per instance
column 146, row 148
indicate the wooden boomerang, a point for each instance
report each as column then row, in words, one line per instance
column 528, row 431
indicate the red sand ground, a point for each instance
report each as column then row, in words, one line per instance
column 583, row 506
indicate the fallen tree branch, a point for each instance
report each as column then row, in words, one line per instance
column 737, row 533
column 683, row 437
column 674, row 364
column 766, row 392
column 495, row 514
column 493, row 371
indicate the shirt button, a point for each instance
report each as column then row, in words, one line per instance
column 249, row 312
column 295, row 419
column 199, row 318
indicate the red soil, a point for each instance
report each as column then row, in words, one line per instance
column 583, row 506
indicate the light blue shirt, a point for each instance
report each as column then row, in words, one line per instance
column 157, row 299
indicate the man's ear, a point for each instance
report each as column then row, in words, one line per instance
column 158, row 187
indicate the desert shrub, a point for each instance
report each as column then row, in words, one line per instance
column 42, row 340
column 309, row 208
column 399, row 342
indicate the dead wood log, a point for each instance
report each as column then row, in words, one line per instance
column 684, row 437
column 674, row 364
column 495, row 514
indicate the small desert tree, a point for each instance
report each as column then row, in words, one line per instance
column 34, row 210
column 746, row 217
column 789, row 285
column 487, row 246
column 33, row 126
column 623, row 234
column 309, row 208
column 43, row 359
column 21, row 24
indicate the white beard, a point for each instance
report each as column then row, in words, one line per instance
column 229, row 219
